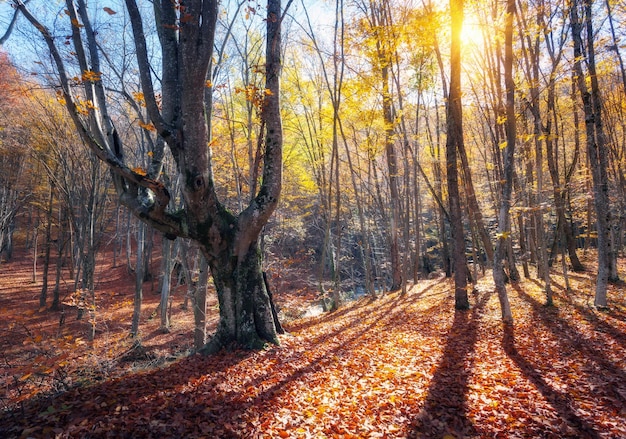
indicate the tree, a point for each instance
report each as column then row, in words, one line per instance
column 596, row 139
column 455, row 137
column 381, row 23
column 177, row 113
column 504, row 216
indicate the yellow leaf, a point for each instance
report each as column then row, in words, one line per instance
column 139, row 97
column 90, row 75
column 60, row 98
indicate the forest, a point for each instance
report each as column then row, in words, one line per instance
column 313, row 218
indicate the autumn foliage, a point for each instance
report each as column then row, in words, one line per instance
column 399, row 366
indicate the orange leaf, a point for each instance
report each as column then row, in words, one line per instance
column 139, row 171
column 147, row 126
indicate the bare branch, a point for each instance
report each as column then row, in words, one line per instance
column 9, row 30
column 145, row 72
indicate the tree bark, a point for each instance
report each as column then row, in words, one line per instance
column 166, row 283
column 245, row 310
column 138, row 297
column 455, row 137
column 199, row 305
column 504, row 217
column 47, row 248
column 596, row 142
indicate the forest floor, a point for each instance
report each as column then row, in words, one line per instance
column 399, row 366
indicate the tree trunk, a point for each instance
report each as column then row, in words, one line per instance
column 504, row 217
column 35, row 249
column 59, row 259
column 166, row 283
column 138, row 298
column 47, row 247
column 231, row 244
column 199, row 305
column 129, row 247
column 381, row 23
column 245, row 310
column 596, row 147
column 455, row 137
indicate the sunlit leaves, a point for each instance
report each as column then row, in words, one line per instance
column 503, row 235
column 60, row 98
column 91, row 76
column 84, row 106
column 254, row 94
column 398, row 367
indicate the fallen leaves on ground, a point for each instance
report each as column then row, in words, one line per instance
column 398, row 366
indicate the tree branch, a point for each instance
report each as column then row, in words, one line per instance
column 145, row 197
column 9, row 30
column 163, row 129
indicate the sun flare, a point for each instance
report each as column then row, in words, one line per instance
column 472, row 35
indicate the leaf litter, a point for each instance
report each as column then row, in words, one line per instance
column 399, row 366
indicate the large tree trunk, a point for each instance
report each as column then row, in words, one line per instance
column 246, row 317
column 231, row 244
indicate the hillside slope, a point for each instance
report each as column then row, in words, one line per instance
column 399, row 366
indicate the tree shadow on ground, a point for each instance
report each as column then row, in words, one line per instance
column 445, row 408
column 592, row 315
column 387, row 317
column 577, row 427
column 573, row 340
column 196, row 395
column 600, row 378
column 113, row 405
